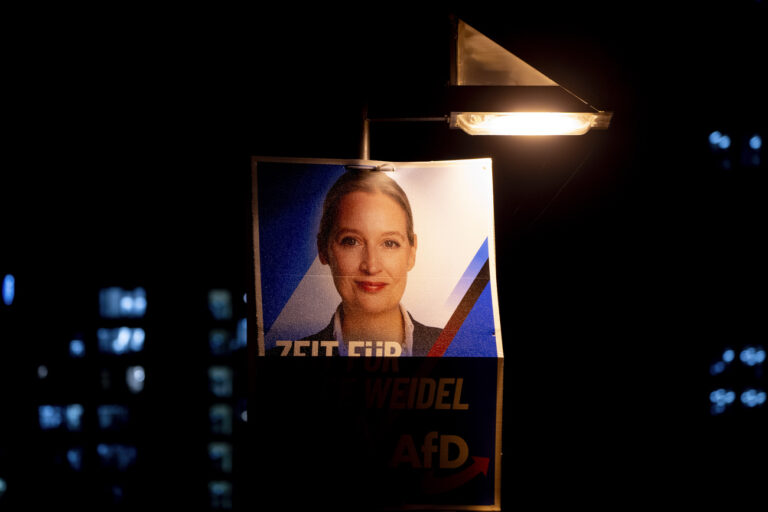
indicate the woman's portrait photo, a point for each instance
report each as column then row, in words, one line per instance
column 374, row 260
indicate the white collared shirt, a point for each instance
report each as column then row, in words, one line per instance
column 407, row 347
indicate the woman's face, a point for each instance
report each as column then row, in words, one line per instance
column 369, row 253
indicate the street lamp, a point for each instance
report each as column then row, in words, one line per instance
column 494, row 92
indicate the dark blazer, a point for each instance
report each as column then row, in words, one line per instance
column 423, row 338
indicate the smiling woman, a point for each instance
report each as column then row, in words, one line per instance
column 340, row 271
column 366, row 237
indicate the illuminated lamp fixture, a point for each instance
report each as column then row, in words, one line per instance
column 494, row 92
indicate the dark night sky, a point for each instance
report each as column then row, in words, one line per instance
column 127, row 160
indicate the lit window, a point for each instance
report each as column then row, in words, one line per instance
column 3, row 487
column 42, row 371
column 717, row 368
column 752, row 356
column 77, row 348
column 729, row 355
column 220, row 304
column 121, row 340
column 220, row 380
column 74, row 415
column 115, row 302
column 75, row 458
column 753, row 397
column 721, row 399
column 118, row 456
column 134, row 378
column 755, row 142
column 9, row 289
column 220, row 494
column 220, row 341
column 719, row 140
column 112, row 417
column 50, row 416
column 220, row 416
column 220, row 455
column 722, row 396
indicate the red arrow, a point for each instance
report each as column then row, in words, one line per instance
column 432, row 485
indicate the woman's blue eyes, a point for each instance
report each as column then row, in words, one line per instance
column 352, row 242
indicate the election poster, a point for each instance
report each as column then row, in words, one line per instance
column 378, row 360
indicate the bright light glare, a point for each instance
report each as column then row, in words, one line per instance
column 728, row 355
column 525, row 123
column 755, row 142
column 50, row 416
column 719, row 140
column 74, row 414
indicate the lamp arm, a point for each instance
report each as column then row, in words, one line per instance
column 365, row 142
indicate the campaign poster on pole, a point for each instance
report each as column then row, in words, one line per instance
column 376, row 323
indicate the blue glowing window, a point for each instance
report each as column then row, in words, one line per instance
column 134, row 378
column 752, row 356
column 220, row 380
column 220, row 416
column 112, row 417
column 220, row 342
column 75, row 458
column 721, row 399
column 755, row 142
column 719, row 140
column 50, row 416
column 220, row 494
column 753, row 397
column 121, row 340
column 115, row 302
column 220, row 304
column 77, row 348
column 9, row 289
column 220, row 455
column 117, row 456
